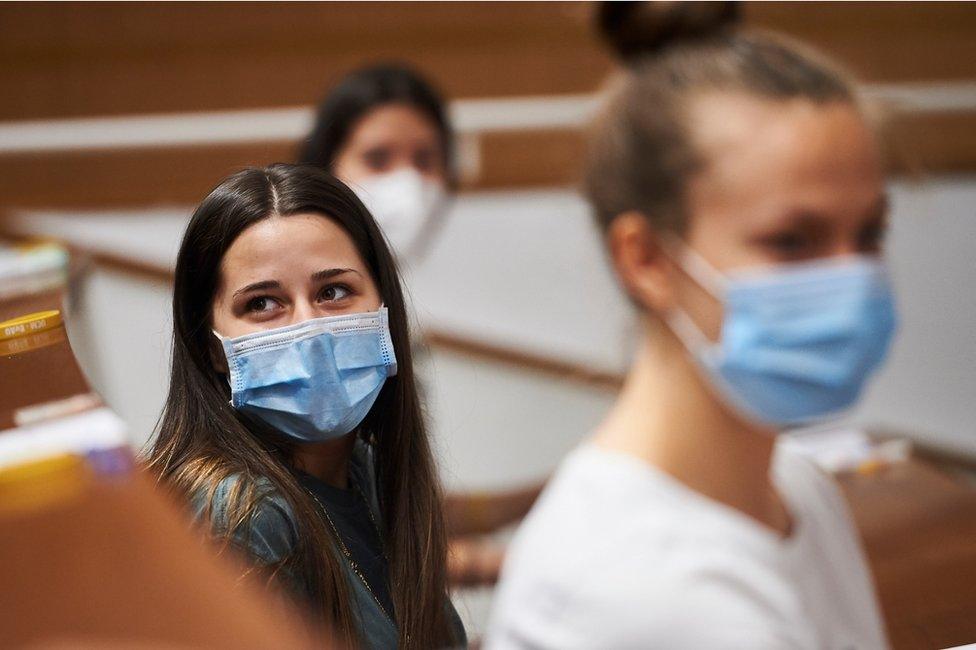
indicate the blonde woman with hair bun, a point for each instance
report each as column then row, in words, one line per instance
column 741, row 194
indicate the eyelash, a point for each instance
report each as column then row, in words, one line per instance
column 251, row 305
column 787, row 243
column 795, row 244
column 343, row 287
column 377, row 158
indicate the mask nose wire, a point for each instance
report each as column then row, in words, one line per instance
column 223, row 339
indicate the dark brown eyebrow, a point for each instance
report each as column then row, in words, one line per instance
column 803, row 218
column 258, row 286
column 806, row 218
column 318, row 276
column 325, row 274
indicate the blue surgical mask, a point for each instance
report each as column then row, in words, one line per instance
column 798, row 341
column 313, row 381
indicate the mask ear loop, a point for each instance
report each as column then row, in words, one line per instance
column 708, row 278
column 699, row 269
column 223, row 346
column 225, row 343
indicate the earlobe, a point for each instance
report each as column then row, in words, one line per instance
column 644, row 268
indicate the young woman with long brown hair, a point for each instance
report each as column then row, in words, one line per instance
column 293, row 422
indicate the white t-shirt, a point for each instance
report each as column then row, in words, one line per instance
column 618, row 554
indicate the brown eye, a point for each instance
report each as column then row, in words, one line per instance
column 377, row 160
column 261, row 303
column 788, row 244
column 424, row 160
column 335, row 292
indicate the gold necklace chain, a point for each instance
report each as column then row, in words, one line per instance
column 348, row 554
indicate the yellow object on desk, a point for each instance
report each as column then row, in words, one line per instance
column 37, row 484
column 30, row 324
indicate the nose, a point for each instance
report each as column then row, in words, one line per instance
column 403, row 163
column 304, row 310
column 844, row 244
column 843, row 249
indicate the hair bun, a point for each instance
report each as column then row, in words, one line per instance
column 634, row 29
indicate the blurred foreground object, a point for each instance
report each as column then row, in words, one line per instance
column 89, row 558
column 91, row 554
column 32, row 278
column 31, row 269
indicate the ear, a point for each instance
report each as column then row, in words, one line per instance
column 641, row 263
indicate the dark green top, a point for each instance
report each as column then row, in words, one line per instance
column 271, row 536
column 357, row 527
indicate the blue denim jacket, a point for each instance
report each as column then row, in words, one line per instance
column 271, row 536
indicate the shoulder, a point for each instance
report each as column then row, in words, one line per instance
column 568, row 571
column 614, row 556
column 251, row 514
column 790, row 462
column 670, row 603
column 597, row 490
column 807, row 487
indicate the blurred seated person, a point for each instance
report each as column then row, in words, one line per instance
column 384, row 130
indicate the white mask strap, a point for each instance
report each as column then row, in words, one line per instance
column 696, row 267
column 708, row 278
column 692, row 338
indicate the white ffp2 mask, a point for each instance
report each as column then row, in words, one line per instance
column 404, row 204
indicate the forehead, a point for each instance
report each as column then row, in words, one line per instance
column 397, row 122
column 288, row 247
column 755, row 149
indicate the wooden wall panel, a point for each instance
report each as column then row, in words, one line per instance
column 95, row 58
column 183, row 175
column 530, row 158
column 127, row 177
column 76, row 59
column 938, row 142
column 59, row 60
column 882, row 41
column 922, row 143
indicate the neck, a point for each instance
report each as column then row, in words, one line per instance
column 668, row 417
column 327, row 461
